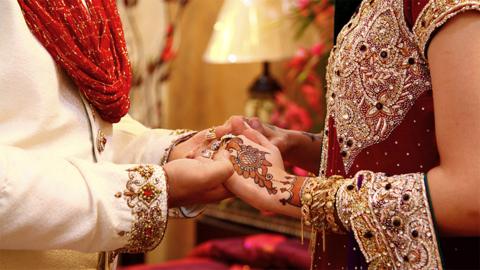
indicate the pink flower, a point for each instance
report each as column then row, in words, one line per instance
column 318, row 49
column 312, row 96
column 297, row 117
column 290, row 115
column 299, row 58
column 303, row 4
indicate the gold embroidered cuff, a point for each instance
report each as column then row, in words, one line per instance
column 146, row 195
column 435, row 14
column 318, row 203
column 391, row 220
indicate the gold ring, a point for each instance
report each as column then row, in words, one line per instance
column 210, row 135
column 226, row 138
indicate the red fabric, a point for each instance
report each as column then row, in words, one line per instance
column 256, row 252
column 412, row 9
column 264, row 251
column 184, row 264
column 88, row 42
column 410, row 148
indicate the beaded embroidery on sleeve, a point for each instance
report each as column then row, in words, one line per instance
column 389, row 216
column 374, row 76
column 435, row 14
column 146, row 195
column 391, row 220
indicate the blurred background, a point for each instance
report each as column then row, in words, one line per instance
column 196, row 63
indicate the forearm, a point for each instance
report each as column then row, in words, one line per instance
column 305, row 152
column 455, row 199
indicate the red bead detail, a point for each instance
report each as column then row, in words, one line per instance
column 94, row 55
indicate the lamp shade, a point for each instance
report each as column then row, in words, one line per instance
column 255, row 31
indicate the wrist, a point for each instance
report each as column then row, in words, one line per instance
column 167, row 181
column 167, row 170
column 303, row 150
column 174, row 152
column 318, row 197
column 295, row 139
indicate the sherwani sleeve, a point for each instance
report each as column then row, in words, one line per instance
column 135, row 143
column 55, row 203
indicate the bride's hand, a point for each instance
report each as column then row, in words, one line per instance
column 260, row 178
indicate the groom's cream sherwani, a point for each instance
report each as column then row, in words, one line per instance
column 68, row 179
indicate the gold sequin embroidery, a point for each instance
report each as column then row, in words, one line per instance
column 391, row 220
column 146, row 195
column 375, row 74
column 435, row 14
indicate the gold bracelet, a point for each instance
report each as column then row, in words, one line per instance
column 330, row 212
column 318, row 203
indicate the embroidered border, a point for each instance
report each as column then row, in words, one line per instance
column 374, row 76
column 184, row 135
column 435, row 14
column 391, row 220
column 146, row 195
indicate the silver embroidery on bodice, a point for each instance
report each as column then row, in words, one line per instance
column 375, row 74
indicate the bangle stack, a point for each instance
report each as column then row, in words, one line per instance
column 318, row 203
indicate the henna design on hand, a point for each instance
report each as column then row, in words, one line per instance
column 293, row 186
column 250, row 162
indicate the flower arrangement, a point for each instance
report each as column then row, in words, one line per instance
column 300, row 106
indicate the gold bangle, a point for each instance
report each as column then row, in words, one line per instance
column 330, row 213
column 318, row 203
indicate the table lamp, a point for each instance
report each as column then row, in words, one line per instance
column 261, row 31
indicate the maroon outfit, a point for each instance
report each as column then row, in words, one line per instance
column 380, row 114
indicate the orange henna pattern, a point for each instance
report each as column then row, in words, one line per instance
column 293, row 186
column 250, row 162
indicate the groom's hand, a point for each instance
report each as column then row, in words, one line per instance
column 197, row 181
column 190, row 147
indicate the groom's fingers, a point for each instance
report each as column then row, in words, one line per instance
column 258, row 137
column 217, row 194
column 234, row 125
